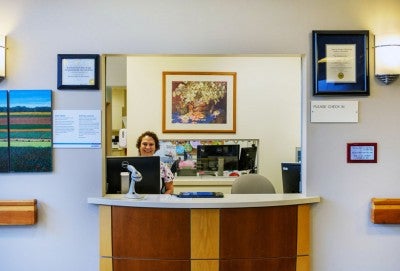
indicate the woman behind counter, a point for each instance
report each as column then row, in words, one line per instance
column 147, row 144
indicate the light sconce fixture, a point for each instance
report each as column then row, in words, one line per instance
column 387, row 58
column 2, row 57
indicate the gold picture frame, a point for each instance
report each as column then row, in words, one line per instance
column 199, row 102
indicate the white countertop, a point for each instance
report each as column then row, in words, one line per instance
column 228, row 201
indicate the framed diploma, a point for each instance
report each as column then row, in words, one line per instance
column 340, row 62
column 362, row 152
column 78, row 71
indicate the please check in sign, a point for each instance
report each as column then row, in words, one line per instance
column 334, row 111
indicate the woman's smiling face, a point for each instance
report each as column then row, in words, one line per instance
column 147, row 146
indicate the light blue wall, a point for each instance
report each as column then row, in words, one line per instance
column 66, row 237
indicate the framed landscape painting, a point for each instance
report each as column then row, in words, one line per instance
column 30, row 126
column 4, row 157
column 199, row 102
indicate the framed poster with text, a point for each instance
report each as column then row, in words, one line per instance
column 340, row 62
column 78, row 71
column 362, row 152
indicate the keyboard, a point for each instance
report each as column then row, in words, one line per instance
column 201, row 195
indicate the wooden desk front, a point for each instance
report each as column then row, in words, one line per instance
column 272, row 238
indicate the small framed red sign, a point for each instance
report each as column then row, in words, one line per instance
column 362, row 152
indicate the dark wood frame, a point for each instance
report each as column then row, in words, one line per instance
column 319, row 41
column 89, row 86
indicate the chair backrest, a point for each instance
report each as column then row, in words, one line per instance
column 252, row 184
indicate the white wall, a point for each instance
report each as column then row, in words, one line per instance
column 66, row 237
column 116, row 70
column 268, row 104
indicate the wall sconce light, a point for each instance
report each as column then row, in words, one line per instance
column 2, row 57
column 387, row 58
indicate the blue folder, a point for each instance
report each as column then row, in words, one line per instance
column 201, row 195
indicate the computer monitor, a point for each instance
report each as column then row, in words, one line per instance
column 291, row 177
column 149, row 167
column 247, row 158
column 207, row 157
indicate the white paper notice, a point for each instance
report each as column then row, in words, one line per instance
column 78, row 72
column 77, row 129
column 362, row 152
column 341, row 63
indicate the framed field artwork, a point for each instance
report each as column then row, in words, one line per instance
column 199, row 102
column 30, row 130
column 4, row 159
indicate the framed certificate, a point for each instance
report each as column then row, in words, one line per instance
column 340, row 62
column 362, row 152
column 78, row 71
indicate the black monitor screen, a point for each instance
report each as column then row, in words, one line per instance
column 207, row 157
column 247, row 158
column 291, row 177
column 149, row 167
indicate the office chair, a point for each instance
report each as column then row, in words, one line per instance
column 252, row 184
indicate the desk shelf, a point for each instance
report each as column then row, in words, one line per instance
column 385, row 210
column 18, row 212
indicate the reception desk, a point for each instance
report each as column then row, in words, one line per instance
column 237, row 232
